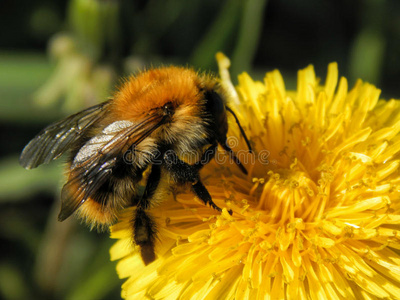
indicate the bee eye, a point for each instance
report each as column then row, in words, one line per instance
column 215, row 105
column 168, row 109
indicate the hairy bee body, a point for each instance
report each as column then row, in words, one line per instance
column 168, row 120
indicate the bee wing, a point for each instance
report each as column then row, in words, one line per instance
column 55, row 139
column 93, row 165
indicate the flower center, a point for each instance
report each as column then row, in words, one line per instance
column 288, row 195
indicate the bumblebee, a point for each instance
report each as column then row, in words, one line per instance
column 154, row 121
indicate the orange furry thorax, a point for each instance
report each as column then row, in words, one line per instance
column 153, row 88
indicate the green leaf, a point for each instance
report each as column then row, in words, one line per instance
column 20, row 76
column 17, row 183
column 12, row 283
column 217, row 36
column 100, row 278
column 367, row 56
column 249, row 35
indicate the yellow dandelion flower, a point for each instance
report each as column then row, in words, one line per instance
column 318, row 216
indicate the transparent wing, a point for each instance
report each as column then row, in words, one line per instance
column 55, row 139
column 93, row 165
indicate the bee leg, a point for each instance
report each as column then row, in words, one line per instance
column 144, row 235
column 145, row 230
column 202, row 193
column 207, row 156
column 184, row 173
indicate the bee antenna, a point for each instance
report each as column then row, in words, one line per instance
column 240, row 128
column 234, row 157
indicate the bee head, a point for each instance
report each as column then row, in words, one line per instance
column 215, row 107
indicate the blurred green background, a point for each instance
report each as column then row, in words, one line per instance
column 59, row 56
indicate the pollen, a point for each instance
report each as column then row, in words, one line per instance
column 317, row 217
